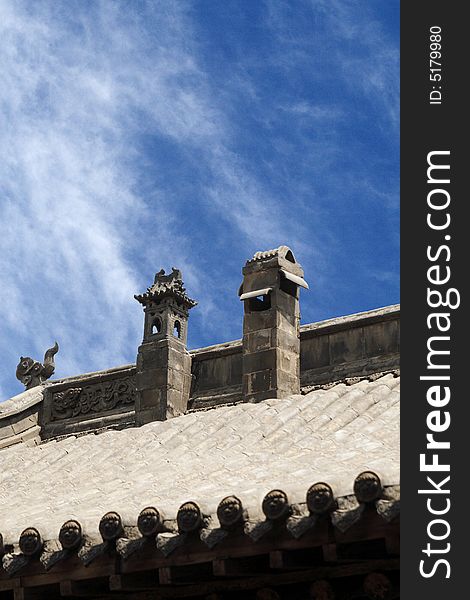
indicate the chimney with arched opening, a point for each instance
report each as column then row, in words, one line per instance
column 163, row 363
column 271, row 325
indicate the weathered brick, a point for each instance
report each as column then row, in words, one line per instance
column 151, row 379
column 259, row 320
column 257, row 361
column 259, row 340
column 150, row 399
column 258, row 381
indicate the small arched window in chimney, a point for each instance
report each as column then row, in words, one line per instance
column 156, row 325
column 177, row 329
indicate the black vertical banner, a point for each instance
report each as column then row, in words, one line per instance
column 435, row 258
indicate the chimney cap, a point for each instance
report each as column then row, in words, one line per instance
column 281, row 252
column 167, row 285
column 278, row 258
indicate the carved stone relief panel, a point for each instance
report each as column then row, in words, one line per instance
column 89, row 402
column 95, row 398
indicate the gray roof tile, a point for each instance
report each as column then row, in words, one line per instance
column 246, row 449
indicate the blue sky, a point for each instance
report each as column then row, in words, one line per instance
column 141, row 135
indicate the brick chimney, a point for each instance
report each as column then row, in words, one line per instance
column 163, row 363
column 271, row 325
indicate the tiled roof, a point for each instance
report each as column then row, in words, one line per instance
column 246, row 450
column 18, row 418
column 21, row 401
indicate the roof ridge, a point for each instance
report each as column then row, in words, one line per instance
column 304, row 390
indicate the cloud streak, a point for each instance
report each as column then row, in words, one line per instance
column 126, row 147
column 80, row 84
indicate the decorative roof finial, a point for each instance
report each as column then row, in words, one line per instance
column 164, row 286
column 32, row 373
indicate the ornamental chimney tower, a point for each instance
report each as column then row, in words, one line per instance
column 163, row 362
column 271, row 325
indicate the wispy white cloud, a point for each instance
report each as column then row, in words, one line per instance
column 315, row 111
column 373, row 63
column 67, row 196
column 347, row 40
column 97, row 102
column 80, row 84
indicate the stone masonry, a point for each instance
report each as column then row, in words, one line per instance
column 275, row 359
column 271, row 325
column 163, row 376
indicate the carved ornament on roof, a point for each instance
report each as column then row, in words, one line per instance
column 110, row 526
column 32, row 373
column 192, row 521
column 93, row 398
column 276, row 505
column 167, row 286
column 367, row 486
column 320, row 498
column 30, row 541
column 150, row 522
column 230, row 511
column 189, row 517
column 70, row 535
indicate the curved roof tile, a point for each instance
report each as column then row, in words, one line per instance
column 246, row 451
